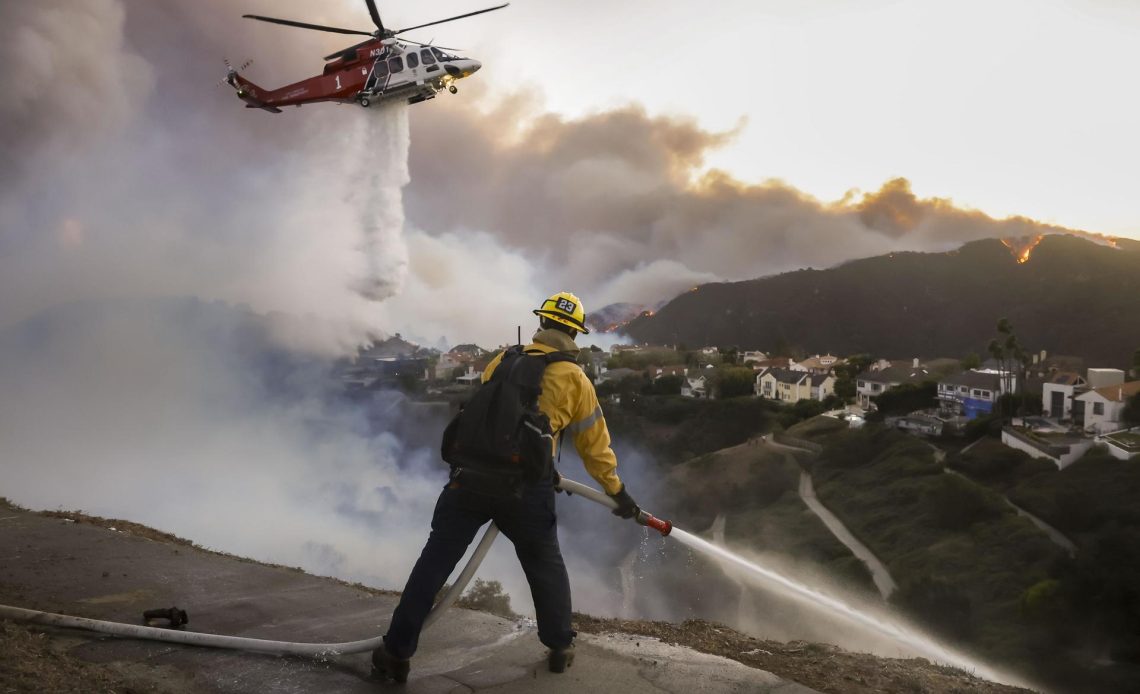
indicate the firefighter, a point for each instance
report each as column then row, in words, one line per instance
column 526, row 514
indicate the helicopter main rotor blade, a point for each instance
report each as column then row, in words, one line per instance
column 375, row 14
column 303, row 25
column 452, row 19
column 430, row 45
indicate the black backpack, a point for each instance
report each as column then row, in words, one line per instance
column 500, row 435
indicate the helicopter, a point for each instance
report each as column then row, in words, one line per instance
column 381, row 68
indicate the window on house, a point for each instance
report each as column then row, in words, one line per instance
column 977, row 393
column 1098, row 408
column 876, row 387
column 862, row 384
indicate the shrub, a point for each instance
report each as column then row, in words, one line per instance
column 938, row 604
column 488, row 596
column 956, row 503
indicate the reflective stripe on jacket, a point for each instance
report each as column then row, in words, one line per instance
column 569, row 400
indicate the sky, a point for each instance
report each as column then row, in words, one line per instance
column 1015, row 107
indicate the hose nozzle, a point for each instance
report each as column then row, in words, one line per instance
column 649, row 520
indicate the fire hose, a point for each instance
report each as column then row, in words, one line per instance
column 311, row 650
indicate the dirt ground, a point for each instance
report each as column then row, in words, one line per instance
column 819, row 666
column 36, row 660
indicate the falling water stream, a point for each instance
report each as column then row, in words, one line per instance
column 919, row 643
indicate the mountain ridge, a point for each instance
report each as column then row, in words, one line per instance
column 1072, row 296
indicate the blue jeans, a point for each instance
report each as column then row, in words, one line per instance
column 527, row 520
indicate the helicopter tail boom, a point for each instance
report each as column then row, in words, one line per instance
column 249, row 92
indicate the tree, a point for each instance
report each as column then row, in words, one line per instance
column 665, row 385
column 732, row 382
column 972, row 361
column 1008, row 352
column 907, row 398
column 847, row 373
column 1130, row 415
column 1136, row 364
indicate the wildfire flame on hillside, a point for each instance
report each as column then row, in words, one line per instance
column 1022, row 247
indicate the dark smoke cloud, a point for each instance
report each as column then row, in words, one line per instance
column 619, row 201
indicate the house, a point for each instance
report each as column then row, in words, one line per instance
column 817, row 364
column 393, row 348
column 772, row 363
column 1057, row 394
column 918, row 423
column 970, row 394
column 752, row 355
column 784, row 385
column 695, row 387
column 873, row 382
column 656, row 372
column 468, row 353
column 445, row 367
column 822, row 386
column 615, row 375
column 1103, row 406
column 470, row 378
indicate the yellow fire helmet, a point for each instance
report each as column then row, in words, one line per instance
column 565, row 308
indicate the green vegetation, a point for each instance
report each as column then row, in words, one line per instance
column 643, row 359
column 755, row 487
column 961, row 556
column 733, row 381
column 487, row 596
column 674, row 428
column 1094, row 598
column 1131, row 413
column 846, row 375
column 907, row 398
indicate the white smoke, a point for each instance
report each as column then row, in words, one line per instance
column 383, row 156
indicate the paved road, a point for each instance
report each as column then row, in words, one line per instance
column 52, row 565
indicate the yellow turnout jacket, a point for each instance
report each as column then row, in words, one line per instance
column 569, row 400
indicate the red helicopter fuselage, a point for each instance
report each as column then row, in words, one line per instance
column 342, row 80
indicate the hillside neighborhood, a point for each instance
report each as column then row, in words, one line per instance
column 1050, row 406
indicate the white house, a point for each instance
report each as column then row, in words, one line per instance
column 871, row 383
column 818, row 364
column 752, row 355
column 1104, row 405
column 1058, row 392
column 445, row 367
column 471, row 378
column 695, row 387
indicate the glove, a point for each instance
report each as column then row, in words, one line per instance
column 558, row 481
column 626, row 506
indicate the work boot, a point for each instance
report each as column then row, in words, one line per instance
column 561, row 658
column 387, row 666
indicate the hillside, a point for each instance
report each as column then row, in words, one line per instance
column 1070, row 297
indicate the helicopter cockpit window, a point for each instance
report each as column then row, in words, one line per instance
column 443, row 57
column 396, row 64
column 413, row 60
column 427, row 57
